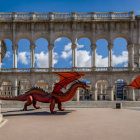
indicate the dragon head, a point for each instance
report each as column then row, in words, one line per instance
column 83, row 84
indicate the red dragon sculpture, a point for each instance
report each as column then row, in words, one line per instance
column 135, row 83
column 56, row 96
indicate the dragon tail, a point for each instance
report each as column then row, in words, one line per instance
column 12, row 98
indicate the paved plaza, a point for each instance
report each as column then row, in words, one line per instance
column 72, row 124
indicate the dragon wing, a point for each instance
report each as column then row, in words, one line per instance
column 135, row 83
column 65, row 79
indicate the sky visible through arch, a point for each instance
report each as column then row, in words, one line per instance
column 63, row 56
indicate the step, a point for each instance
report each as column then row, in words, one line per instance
column 76, row 104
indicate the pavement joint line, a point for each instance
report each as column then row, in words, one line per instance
column 4, row 121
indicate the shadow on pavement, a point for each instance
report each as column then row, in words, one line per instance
column 21, row 110
column 28, row 113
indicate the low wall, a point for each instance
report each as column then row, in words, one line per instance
column 75, row 104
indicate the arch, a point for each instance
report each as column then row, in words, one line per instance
column 24, row 54
column 120, row 52
column 98, row 37
column 62, row 36
column 79, row 36
column 41, row 53
column 62, row 53
column 20, row 37
column 83, row 52
column 40, row 35
column 121, row 36
column 7, row 36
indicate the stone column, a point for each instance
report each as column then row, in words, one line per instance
column 130, row 49
column 15, row 91
column 131, row 94
column 94, row 92
column 110, row 46
column 77, row 95
column 93, row 59
column 32, row 48
column 111, row 93
column 50, row 47
column 15, row 47
column 74, row 55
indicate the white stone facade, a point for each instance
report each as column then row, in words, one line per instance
column 94, row 26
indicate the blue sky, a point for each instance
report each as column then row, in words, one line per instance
column 69, row 5
column 63, row 57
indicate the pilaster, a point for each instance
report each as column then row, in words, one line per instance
column 78, row 95
column 131, row 94
column 32, row 48
column 50, row 47
column 94, row 92
column 15, row 91
column 130, row 48
column 93, row 59
column 74, row 55
column 14, row 48
column 110, row 46
column 111, row 93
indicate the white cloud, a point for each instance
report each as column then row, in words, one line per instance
column 24, row 57
column 7, row 54
column 100, row 61
column 55, row 58
column 58, row 39
column 121, row 59
column 42, row 59
column 65, row 55
column 68, row 51
column 67, row 47
column 80, row 46
column 83, row 58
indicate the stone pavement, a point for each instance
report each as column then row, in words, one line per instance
column 72, row 124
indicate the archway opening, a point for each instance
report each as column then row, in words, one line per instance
column 23, row 86
column 6, row 88
column 42, row 84
column 120, row 53
column 24, row 54
column 41, row 53
column 120, row 92
column 7, row 54
column 101, row 53
column 86, row 95
column 62, row 53
column 83, row 53
column 101, row 87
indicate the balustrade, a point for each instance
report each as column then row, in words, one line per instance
column 90, row 16
column 78, row 69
